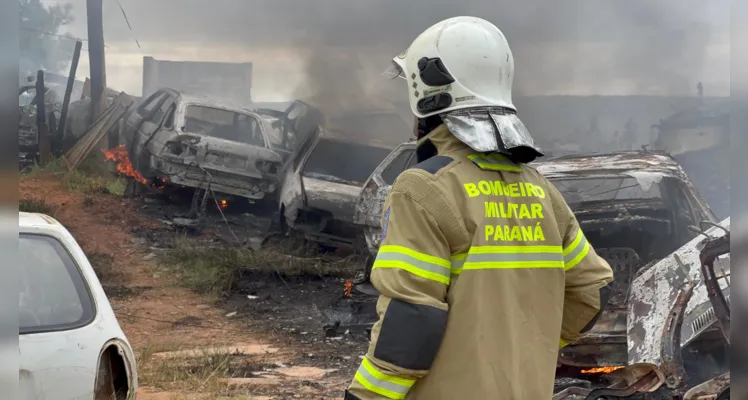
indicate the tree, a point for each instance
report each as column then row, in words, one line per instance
column 41, row 46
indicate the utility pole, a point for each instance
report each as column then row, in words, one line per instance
column 95, row 17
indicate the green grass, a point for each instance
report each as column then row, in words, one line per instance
column 88, row 178
column 218, row 269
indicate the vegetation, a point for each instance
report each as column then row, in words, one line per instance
column 216, row 270
column 89, row 178
column 35, row 206
column 207, row 370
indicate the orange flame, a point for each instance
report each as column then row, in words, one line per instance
column 600, row 370
column 124, row 167
column 348, row 287
column 223, row 204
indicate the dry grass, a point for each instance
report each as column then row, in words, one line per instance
column 217, row 269
column 203, row 372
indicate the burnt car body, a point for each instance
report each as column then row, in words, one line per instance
column 197, row 141
column 634, row 207
column 678, row 316
column 323, row 180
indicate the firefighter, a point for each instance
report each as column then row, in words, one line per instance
column 483, row 271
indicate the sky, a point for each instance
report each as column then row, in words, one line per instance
column 581, row 47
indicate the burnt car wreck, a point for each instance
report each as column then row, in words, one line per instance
column 677, row 327
column 636, row 208
column 319, row 191
column 179, row 140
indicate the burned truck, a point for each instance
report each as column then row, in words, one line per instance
column 174, row 139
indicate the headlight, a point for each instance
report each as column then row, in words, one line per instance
column 175, row 148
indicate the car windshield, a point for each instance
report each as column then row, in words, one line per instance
column 53, row 295
column 577, row 191
column 337, row 168
column 223, row 124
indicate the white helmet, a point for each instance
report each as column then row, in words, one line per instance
column 462, row 69
column 458, row 63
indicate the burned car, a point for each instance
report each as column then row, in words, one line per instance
column 324, row 178
column 637, row 200
column 678, row 326
column 635, row 208
column 199, row 142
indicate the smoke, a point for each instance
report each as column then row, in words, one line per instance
column 576, row 45
column 637, row 45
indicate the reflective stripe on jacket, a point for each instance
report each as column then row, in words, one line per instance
column 483, row 273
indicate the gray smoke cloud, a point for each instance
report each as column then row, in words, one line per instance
column 651, row 44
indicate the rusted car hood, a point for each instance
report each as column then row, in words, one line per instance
column 653, row 296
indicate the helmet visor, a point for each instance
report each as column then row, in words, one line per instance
column 393, row 71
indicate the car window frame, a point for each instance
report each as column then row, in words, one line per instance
column 152, row 99
column 406, row 165
column 79, row 281
column 164, row 106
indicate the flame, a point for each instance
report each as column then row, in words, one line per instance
column 600, row 370
column 223, row 204
column 124, row 167
column 348, row 287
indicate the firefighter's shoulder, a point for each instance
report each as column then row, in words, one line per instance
column 431, row 168
column 422, row 177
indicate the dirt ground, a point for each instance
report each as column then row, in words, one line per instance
column 264, row 340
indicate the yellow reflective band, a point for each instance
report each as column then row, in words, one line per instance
column 419, row 264
column 391, row 387
column 576, row 251
column 508, row 257
column 458, row 260
column 494, row 162
column 562, row 343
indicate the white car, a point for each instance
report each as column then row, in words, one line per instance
column 71, row 345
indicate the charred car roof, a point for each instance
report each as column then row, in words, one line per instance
column 626, row 163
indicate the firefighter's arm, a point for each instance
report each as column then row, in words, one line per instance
column 588, row 277
column 412, row 274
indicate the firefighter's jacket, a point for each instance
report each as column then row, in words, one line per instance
column 483, row 272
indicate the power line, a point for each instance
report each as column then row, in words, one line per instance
column 127, row 21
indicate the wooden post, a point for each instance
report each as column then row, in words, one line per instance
column 94, row 13
column 42, row 133
column 60, row 136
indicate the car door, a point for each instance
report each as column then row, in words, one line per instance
column 370, row 202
